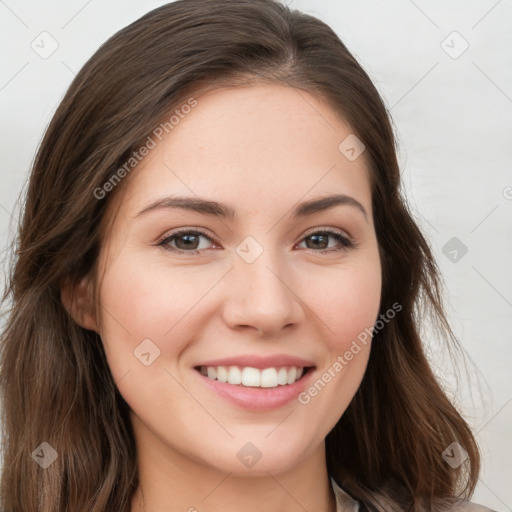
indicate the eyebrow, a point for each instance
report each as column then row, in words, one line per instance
column 214, row 208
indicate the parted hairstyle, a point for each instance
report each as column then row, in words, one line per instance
column 55, row 383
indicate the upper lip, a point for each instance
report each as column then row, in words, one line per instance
column 260, row 362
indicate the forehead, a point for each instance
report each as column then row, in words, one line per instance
column 258, row 146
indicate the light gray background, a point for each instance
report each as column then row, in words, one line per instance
column 453, row 121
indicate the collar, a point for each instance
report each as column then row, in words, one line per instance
column 344, row 503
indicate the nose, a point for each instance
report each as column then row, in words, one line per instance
column 263, row 296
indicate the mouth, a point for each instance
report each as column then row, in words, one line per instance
column 256, row 382
column 256, row 389
column 247, row 376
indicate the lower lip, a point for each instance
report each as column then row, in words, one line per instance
column 258, row 399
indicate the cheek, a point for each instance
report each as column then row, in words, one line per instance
column 348, row 308
column 350, row 302
column 143, row 300
column 145, row 312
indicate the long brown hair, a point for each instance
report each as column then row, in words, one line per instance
column 56, row 386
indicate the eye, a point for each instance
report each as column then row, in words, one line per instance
column 322, row 237
column 187, row 241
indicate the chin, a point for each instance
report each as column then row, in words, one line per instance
column 256, row 458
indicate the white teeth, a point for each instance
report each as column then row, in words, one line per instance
column 282, row 376
column 292, row 373
column 234, row 375
column 222, row 374
column 253, row 377
column 268, row 378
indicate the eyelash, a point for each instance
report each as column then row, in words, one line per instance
column 345, row 242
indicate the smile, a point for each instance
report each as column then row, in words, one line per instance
column 253, row 377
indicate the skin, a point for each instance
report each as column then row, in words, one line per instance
column 261, row 149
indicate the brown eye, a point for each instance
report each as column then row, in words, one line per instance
column 186, row 241
column 319, row 241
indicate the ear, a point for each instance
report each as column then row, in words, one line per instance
column 78, row 300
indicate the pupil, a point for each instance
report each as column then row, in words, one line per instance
column 319, row 236
column 188, row 241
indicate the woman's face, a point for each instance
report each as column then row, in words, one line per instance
column 253, row 289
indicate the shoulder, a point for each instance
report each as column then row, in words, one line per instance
column 345, row 502
column 469, row 506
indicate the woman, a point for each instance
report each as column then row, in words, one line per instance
column 178, row 340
